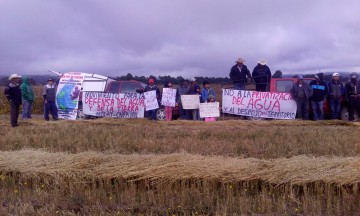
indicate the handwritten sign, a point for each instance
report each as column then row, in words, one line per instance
column 209, row 110
column 168, row 97
column 123, row 105
column 67, row 94
column 151, row 102
column 190, row 101
column 276, row 105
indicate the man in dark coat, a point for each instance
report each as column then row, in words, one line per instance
column 320, row 91
column 152, row 114
column 301, row 92
column 262, row 75
column 238, row 74
column 13, row 94
column 352, row 89
column 336, row 91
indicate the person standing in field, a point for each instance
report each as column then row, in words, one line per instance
column 352, row 89
column 151, row 114
column 301, row 93
column 13, row 95
column 336, row 91
column 168, row 109
column 195, row 90
column 320, row 91
column 28, row 98
column 49, row 95
column 238, row 74
column 183, row 89
column 262, row 75
column 206, row 91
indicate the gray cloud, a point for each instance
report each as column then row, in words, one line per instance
column 177, row 37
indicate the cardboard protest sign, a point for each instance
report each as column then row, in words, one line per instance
column 209, row 110
column 123, row 105
column 168, row 97
column 276, row 105
column 67, row 95
column 190, row 101
column 151, row 102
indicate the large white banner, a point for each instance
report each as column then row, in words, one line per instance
column 168, row 97
column 123, row 105
column 190, row 101
column 209, row 110
column 151, row 101
column 276, row 105
column 67, row 94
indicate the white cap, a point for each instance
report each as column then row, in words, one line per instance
column 335, row 74
column 193, row 79
column 13, row 76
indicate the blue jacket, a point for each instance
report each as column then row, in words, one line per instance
column 320, row 90
column 205, row 94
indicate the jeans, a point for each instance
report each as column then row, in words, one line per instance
column 50, row 106
column 195, row 114
column 27, row 106
column 151, row 114
column 184, row 114
column 335, row 105
column 239, row 86
column 303, row 109
column 14, row 113
column 318, row 110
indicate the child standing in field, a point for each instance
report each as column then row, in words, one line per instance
column 211, row 99
column 168, row 109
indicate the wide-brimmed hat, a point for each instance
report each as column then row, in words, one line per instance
column 13, row 76
column 262, row 62
column 240, row 60
column 335, row 74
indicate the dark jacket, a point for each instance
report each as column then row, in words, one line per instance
column 238, row 76
column 352, row 88
column 181, row 90
column 320, row 90
column 336, row 90
column 294, row 91
column 261, row 74
column 49, row 92
column 27, row 91
column 152, row 88
column 13, row 93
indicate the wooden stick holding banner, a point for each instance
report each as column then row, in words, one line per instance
column 190, row 101
column 151, row 102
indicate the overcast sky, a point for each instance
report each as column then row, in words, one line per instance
column 177, row 37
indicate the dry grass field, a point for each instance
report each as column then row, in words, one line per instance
column 137, row 167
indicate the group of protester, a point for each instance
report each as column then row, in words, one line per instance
column 23, row 94
column 318, row 90
column 304, row 94
column 206, row 95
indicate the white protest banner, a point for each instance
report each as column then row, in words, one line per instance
column 123, row 105
column 276, row 105
column 67, row 94
column 209, row 110
column 151, row 102
column 168, row 97
column 190, row 101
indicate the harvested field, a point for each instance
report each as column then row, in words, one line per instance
column 137, row 167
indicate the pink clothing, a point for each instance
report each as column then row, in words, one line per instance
column 168, row 113
column 210, row 119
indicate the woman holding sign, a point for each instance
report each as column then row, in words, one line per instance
column 168, row 108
